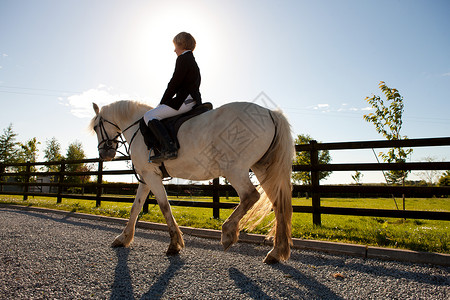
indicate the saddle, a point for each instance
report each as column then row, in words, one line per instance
column 172, row 125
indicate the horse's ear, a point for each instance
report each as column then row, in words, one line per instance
column 96, row 109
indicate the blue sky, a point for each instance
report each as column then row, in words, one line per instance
column 316, row 60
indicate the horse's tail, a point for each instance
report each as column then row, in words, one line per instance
column 273, row 171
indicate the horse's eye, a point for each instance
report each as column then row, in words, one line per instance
column 95, row 127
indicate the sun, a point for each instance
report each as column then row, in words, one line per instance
column 150, row 48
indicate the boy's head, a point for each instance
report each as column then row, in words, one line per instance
column 184, row 41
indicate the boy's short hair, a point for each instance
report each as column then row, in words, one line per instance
column 184, row 40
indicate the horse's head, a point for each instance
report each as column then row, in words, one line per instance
column 107, row 135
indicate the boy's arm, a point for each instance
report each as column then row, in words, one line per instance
column 177, row 79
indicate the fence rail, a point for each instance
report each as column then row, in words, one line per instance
column 26, row 179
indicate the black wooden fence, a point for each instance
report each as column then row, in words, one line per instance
column 24, row 179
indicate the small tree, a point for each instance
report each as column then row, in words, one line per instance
column 53, row 153
column 357, row 177
column 75, row 152
column 8, row 146
column 387, row 119
column 445, row 179
column 304, row 158
column 28, row 152
column 430, row 177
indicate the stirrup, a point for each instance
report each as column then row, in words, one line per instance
column 162, row 156
column 155, row 157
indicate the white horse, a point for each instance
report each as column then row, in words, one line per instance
column 227, row 141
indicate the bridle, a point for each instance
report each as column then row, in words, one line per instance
column 107, row 143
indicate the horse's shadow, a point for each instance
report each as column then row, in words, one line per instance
column 247, row 285
column 252, row 289
column 122, row 287
column 156, row 291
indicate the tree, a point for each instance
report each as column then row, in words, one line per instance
column 75, row 152
column 29, row 150
column 387, row 119
column 430, row 177
column 8, row 146
column 445, row 179
column 304, row 158
column 53, row 153
column 357, row 177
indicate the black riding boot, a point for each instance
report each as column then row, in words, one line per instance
column 168, row 148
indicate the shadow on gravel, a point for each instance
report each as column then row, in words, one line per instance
column 314, row 288
column 157, row 290
column 69, row 218
column 307, row 258
column 242, row 248
column 246, row 285
column 361, row 265
column 66, row 220
column 122, row 288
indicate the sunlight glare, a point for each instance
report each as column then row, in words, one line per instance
column 152, row 55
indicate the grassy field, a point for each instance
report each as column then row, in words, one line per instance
column 419, row 235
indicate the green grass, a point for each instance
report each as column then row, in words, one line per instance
column 419, row 235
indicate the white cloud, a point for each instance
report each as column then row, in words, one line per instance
column 327, row 108
column 446, row 74
column 81, row 104
column 320, row 106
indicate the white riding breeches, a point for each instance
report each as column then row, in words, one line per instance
column 163, row 111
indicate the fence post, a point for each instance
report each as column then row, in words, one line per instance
column 98, row 200
column 216, row 198
column 315, row 195
column 60, row 182
column 27, row 181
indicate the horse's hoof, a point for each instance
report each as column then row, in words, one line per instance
column 228, row 240
column 120, row 242
column 226, row 245
column 270, row 260
column 117, row 244
column 173, row 250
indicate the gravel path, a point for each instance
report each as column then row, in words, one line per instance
column 53, row 256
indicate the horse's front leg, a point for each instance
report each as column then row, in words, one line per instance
column 126, row 237
column 176, row 238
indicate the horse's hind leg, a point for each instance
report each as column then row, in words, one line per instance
column 248, row 196
column 279, row 194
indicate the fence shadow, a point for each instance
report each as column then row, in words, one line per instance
column 360, row 265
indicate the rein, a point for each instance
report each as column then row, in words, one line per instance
column 108, row 142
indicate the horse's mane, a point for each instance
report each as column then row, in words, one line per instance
column 120, row 110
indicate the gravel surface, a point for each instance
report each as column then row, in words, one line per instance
column 53, row 256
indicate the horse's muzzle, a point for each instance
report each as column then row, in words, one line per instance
column 107, row 155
